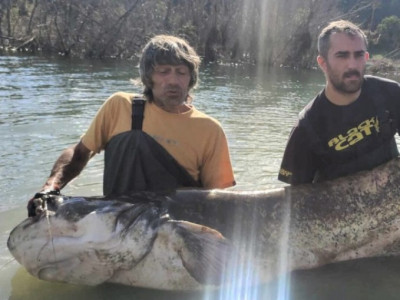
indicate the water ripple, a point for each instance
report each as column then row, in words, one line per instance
column 48, row 103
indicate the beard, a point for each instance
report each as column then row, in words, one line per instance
column 170, row 96
column 174, row 96
column 344, row 86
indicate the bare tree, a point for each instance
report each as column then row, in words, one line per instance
column 259, row 31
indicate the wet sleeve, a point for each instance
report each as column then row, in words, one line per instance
column 216, row 170
column 298, row 164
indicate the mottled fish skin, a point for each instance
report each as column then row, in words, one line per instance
column 91, row 241
column 226, row 237
column 308, row 225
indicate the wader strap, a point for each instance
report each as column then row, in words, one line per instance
column 134, row 161
column 137, row 113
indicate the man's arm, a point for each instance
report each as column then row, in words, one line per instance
column 298, row 165
column 216, row 171
column 68, row 166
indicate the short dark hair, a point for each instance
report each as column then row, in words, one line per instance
column 171, row 50
column 340, row 26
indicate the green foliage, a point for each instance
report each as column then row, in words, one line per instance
column 388, row 31
column 369, row 12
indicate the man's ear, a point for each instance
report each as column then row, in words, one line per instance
column 321, row 62
column 366, row 55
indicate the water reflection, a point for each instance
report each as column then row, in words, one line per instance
column 47, row 103
column 372, row 279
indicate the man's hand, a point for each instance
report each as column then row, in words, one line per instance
column 36, row 205
column 67, row 167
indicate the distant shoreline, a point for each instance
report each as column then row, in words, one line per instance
column 384, row 67
column 377, row 65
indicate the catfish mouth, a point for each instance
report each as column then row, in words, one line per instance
column 48, row 271
column 70, row 270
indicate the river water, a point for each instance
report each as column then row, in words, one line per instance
column 47, row 103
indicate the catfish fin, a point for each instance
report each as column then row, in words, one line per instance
column 206, row 252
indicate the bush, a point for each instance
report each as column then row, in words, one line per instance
column 388, row 30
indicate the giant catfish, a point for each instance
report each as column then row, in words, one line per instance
column 189, row 239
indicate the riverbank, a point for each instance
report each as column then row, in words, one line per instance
column 384, row 67
column 376, row 65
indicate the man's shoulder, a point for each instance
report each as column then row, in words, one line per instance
column 123, row 96
column 119, row 101
column 313, row 107
column 204, row 119
column 371, row 80
column 198, row 114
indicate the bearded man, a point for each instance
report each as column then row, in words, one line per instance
column 350, row 125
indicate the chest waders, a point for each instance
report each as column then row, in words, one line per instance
column 374, row 156
column 134, row 161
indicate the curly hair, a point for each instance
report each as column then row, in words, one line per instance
column 171, row 50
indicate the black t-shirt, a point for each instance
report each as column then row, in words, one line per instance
column 329, row 140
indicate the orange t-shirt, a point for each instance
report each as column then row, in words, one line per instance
column 195, row 140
